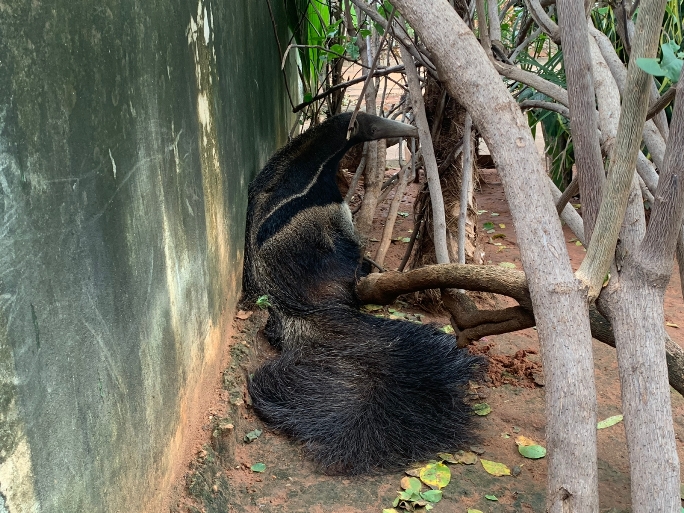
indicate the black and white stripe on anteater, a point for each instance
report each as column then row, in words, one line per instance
column 362, row 393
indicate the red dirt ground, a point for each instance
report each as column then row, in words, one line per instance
column 291, row 484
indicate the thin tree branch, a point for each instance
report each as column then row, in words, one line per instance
column 583, row 117
column 357, row 174
column 369, row 75
column 417, row 229
column 543, row 20
column 523, row 46
column 277, row 39
column 438, row 215
column 494, row 20
column 550, row 89
column 661, row 102
column 539, row 104
column 569, row 215
column 425, row 60
column 569, row 192
column 630, row 129
column 390, row 221
column 465, row 185
column 482, row 30
column 343, row 85
column 659, row 243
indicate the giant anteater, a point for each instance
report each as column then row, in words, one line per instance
column 362, row 393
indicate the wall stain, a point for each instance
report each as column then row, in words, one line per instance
column 36, row 328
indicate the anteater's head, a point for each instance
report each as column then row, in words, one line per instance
column 370, row 128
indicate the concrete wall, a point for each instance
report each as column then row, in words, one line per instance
column 129, row 130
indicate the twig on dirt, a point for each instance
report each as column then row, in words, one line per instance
column 375, row 264
column 396, row 175
column 392, row 217
column 417, row 229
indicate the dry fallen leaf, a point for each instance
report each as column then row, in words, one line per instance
column 242, row 315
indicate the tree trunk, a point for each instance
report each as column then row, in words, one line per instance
column 559, row 302
column 634, row 302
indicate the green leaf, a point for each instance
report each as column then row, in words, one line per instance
column 308, row 97
column 337, row 49
column 669, row 66
column 610, row 421
column 670, row 63
column 650, row 66
column 262, row 302
column 482, row 409
column 488, row 225
column 371, row 307
column 411, row 484
column 432, row 495
column 494, row 468
column 258, row 467
column 449, row 458
column 252, row 435
column 364, row 32
column 447, row 329
column 491, row 497
column 435, row 475
column 533, row 452
column 405, row 495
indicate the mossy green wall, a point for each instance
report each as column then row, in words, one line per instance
column 129, row 131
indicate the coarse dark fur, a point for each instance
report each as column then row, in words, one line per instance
column 362, row 393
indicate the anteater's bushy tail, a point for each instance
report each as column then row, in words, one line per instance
column 372, row 394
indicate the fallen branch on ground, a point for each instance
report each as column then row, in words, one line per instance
column 471, row 323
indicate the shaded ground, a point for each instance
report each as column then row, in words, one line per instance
column 222, row 481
